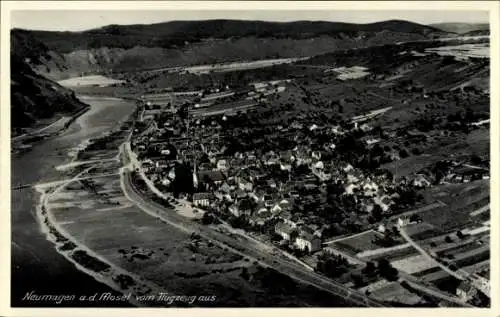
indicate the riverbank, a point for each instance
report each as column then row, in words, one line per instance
column 36, row 264
column 22, row 143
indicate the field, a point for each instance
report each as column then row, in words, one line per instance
column 461, row 200
column 95, row 80
column 358, row 243
column 422, row 230
column 395, row 255
column 413, row 264
column 395, row 292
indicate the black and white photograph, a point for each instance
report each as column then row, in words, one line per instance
column 249, row 158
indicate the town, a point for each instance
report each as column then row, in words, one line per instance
column 225, row 156
column 252, row 163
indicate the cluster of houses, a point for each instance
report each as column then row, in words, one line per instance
column 262, row 186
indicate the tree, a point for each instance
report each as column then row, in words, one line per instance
column 414, row 218
column 448, row 239
column 331, row 265
column 386, row 270
column 460, row 235
column 358, row 280
column 245, row 274
column 370, row 269
column 377, row 212
column 207, row 218
column 403, row 153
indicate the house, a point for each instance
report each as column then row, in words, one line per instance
column 308, row 242
column 202, row 199
column 284, row 166
column 370, row 188
column 245, row 185
column 466, row 291
column 381, row 228
column 225, row 188
column 354, row 176
column 372, row 141
column 316, row 155
column 347, row 168
column 257, row 195
column 260, row 219
column 272, row 183
column 284, row 230
column 276, row 209
column 319, row 165
column 211, row 176
column 287, row 156
column 243, row 207
column 421, row 181
column 240, row 194
column 286, row 204
column 403, row 221
column 349, row 189
column 222, row 165
column 261, row 209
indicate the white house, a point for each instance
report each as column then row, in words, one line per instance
column 222, row 165
column 308, row 242
column 202, row 199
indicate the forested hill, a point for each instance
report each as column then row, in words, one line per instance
column 178, row 33
column 33, row 96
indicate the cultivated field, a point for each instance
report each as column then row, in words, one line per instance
column 94, row 80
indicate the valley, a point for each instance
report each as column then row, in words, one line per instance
column 271, row 165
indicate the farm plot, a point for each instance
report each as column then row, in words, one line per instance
column 435, row 276
column 395, row 255
column 421, row 231
column 473, row 256
column 477, row 267
column 455, row 249
column 395, row 292
column 449, row 218
column 413, row 264
column 359, row 242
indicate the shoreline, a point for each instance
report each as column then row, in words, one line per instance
column 24, row 142
column 61, row 239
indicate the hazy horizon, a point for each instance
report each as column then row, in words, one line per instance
column 82, row 20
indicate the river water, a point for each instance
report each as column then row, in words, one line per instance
column 35, row 263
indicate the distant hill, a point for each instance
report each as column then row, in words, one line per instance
column 477, row 33
column 122, row 48
column 461, row 28
column 178, row 33
column 39, row 58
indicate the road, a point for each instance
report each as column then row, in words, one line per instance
column 458, row 274
column 246, row 247
column 411, row 280
column 421, row 250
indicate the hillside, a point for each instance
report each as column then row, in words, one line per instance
column 178, row 33
column 35, row 98
column 461, row 28
column 41, row 57
column 117, row 48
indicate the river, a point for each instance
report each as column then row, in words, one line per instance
column 36, row 265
